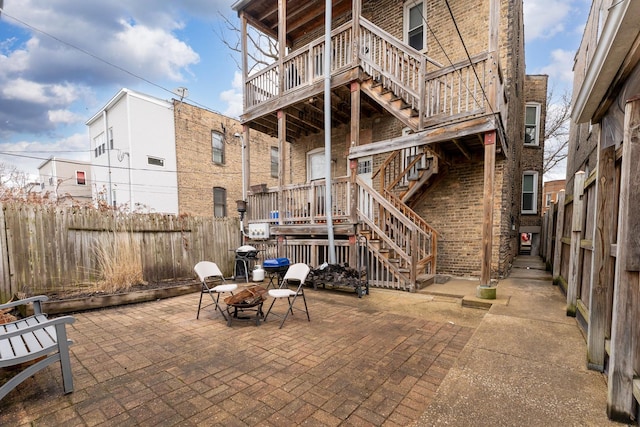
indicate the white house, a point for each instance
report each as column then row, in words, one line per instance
column 134, row 153
column 63, row 178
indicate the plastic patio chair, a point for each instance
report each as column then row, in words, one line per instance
column 207, row 270
column 296, row 274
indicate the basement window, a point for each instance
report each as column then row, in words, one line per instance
column 155, row 161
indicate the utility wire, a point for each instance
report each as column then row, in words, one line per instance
column 96, row 57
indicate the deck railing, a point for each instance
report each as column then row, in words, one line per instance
column 300, row 68
column 450, row 93
column 399, row 67
column 300, row 203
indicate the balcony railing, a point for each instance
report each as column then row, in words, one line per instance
column 301, row 203
column 301, row 67
column 447, row 94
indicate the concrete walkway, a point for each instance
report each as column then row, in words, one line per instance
column 391, row 358
column 525, row 364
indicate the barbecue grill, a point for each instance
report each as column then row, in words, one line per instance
column 276, row 269
column 245, row 254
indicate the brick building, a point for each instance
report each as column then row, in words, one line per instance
column 208, row 158
column 427, row 143
column 150, row 154
column 550, row 190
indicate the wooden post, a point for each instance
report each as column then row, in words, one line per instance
column 282, row 42
column 620, row 406
column 573, row 281
column 487, row 217
column 548, row 233
column 557, row 252
column 356, row 10
column 601, row 281
column 245, row 66
column 6, row 290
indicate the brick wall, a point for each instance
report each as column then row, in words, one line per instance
column 454, row 204
column 535, row 91
column 198, row 174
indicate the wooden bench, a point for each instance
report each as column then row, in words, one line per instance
column 35, row 337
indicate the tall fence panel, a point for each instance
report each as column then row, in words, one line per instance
column 606, row 280
column 52, row 248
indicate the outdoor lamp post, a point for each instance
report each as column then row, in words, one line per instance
column 241, row 206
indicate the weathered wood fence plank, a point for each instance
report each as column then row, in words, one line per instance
column 602, row 263
column 576, row 235
column 624, row 330
column 46, row 249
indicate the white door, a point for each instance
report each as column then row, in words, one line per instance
column 365, row 169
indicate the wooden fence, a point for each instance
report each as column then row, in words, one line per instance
column 591, row 240
column 46, row 249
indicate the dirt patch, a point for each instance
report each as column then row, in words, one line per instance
column 87, row 293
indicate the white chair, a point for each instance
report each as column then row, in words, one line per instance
column 209, row 270
column 296, row 274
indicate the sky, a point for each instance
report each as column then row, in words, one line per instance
column 61, row 61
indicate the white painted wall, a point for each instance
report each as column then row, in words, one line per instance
column 142, row 127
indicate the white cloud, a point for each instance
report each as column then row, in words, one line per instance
column 28, row 155
column 233, row 97
column 154, row 50
column 561, row 67
column 64, row 116
column 544, row 18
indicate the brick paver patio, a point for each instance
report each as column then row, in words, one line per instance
column 154, row 364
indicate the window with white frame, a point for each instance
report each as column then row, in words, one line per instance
column 532, row 125
column 219, row 202
column 217, row 146
column 414, row 25
column 275, row 161
column 98, row 142
column 529, row 192
column 315, row 164
column 548, row 199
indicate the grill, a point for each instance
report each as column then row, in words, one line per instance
column 276, row 269
column 244, row 256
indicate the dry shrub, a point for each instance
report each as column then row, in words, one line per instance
column 119, row 263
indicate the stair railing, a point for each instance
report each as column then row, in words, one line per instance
column 411, row 239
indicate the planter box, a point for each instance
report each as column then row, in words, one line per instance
column 102, row 301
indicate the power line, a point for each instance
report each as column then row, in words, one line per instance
column 98, row 58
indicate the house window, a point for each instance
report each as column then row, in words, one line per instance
column 219, row 202
column 275, row 158
column 548, row 200
column 532, row 125
column 81, row 178
column 529, row 192
column 315, row 164
column 217, row 146
column 155, row 161
column 414, row 24
column 98, row 141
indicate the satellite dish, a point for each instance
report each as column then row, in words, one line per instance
column 182, row 92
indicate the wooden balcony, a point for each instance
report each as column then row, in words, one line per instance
column 300, row 209
column 393, row 74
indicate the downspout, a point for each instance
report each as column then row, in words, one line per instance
column 106, row 138
column 327, row 130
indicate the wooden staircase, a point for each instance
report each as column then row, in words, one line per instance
column 401, row 244
column 396, row 105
